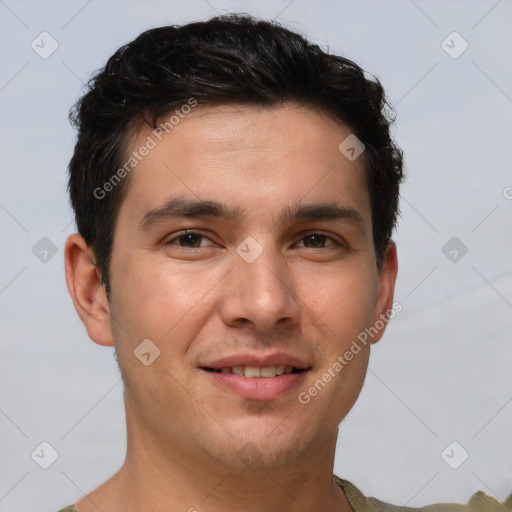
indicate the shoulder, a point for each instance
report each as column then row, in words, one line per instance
column 479, row 502
column 70, row 508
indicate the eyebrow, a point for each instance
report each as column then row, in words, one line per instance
column 327, row 211
column 182, row 207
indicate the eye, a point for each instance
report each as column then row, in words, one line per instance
column 318, row 241
column 188, row 239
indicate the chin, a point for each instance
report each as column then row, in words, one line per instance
column 261, row 445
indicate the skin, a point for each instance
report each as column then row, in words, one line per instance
column 202, row 302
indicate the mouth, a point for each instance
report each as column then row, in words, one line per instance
column 255, row 372
column 254, row 378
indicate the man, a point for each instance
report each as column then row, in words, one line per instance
column 235, row 191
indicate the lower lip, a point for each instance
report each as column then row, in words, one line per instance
column 262, row 388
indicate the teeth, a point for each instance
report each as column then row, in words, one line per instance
column 253, row 372
column 269, row 371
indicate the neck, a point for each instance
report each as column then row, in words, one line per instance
column 161, row 477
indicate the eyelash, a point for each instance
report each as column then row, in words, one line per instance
column 309, row 234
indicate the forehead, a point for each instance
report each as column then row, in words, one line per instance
column 259, row 160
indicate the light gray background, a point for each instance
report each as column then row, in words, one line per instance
column 442, row 373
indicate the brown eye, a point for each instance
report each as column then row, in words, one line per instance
column 190, row 240
column 318, row 241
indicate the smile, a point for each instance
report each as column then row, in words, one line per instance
column 254, row 372
column 258, row 383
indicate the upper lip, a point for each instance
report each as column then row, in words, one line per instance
column 260, row 361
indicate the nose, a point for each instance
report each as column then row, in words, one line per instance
column 260, row 294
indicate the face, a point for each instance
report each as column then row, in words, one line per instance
column 276, row 271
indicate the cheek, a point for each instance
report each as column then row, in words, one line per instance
column 161, row 301
column 342, row 307
column 342, row 298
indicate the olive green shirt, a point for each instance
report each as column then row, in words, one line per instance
column 479, row 502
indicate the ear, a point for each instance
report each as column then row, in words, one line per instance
column 83, row 280
column 385, row 292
